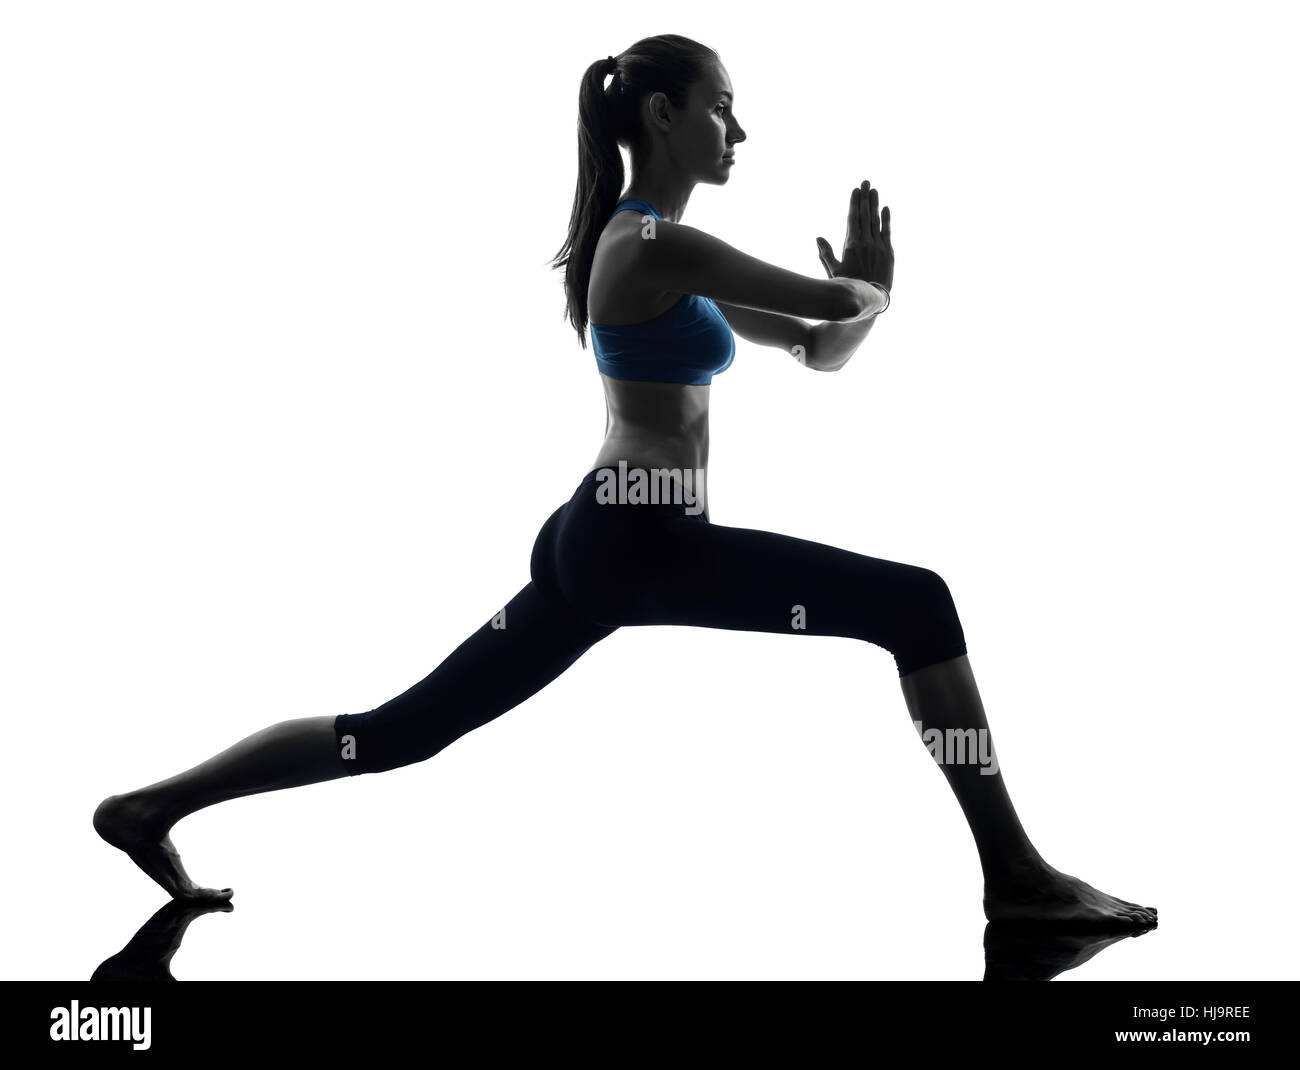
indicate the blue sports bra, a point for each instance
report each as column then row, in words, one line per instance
column 690, row 343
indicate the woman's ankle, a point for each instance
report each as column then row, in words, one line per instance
column 1010, row 869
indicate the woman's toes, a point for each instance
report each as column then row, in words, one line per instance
column 202, row 894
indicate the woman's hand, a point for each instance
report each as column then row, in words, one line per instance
column 868, row 248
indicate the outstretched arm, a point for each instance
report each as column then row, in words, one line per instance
column 775, row 329
column 675, row 258
column 824, row 347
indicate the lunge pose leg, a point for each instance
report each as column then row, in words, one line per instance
column 661, row 564
column 525, row 645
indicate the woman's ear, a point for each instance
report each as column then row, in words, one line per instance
column 658, row 112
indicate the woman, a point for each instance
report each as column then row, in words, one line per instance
column 634, row 545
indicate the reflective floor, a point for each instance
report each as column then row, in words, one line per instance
column 1011, row 953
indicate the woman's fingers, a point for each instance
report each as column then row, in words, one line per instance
column 867, row 223
column 827, row 258
column 869, row 219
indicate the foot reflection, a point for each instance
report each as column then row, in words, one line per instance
column 1020, row 952
column 1012, row 952
column 148, row 954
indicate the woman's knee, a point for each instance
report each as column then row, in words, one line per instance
column 932, row 629
column 387, row 738
column 934, row 594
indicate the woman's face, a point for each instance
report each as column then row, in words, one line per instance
column 703, row 135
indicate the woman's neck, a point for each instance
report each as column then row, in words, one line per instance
column 666, row 199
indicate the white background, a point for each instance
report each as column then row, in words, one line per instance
column 287, row 395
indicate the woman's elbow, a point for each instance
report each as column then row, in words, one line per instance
column 850, row 299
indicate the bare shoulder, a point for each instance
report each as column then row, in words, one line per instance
column 619, row 291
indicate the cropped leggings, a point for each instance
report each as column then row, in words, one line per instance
column 597, row 566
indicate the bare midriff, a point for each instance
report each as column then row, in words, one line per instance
column 656, row 426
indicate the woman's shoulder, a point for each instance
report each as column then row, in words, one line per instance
column 617, row 292
column 619, row 244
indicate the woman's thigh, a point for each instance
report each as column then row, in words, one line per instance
column 525, row 645
column 676, row 569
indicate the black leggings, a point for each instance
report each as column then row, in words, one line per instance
column 596, row 567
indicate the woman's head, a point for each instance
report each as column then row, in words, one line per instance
column 669, row 101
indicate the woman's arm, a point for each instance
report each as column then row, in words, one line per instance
column 763, row 302
column 680, row 259
column 824, row 347
column 768, row 328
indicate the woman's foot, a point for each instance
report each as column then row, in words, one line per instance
column 130, row 824
column 1039, row 893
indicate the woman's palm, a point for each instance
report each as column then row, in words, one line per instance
column 868, row 245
